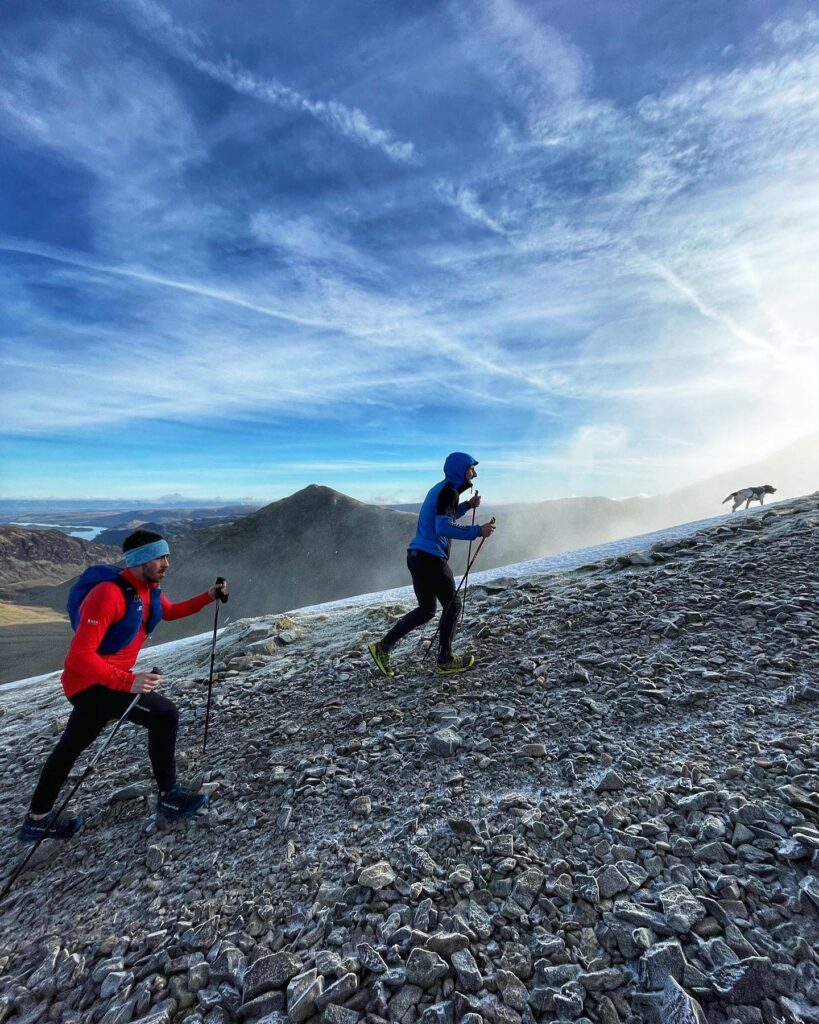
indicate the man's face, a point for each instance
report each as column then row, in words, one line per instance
column 154, row 571
column 471, row 473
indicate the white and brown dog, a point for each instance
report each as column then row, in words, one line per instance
column 749, row 494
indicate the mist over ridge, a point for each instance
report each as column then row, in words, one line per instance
column 318, row 544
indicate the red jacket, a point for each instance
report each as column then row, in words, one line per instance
column 105, row 605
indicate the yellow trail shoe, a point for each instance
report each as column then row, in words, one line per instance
column 381, row 658
column 456, row 663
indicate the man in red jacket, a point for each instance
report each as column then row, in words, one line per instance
column 100, row 686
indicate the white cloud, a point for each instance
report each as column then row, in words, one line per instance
column 346, row 121
column 197, row 288
column 533, row 60
column 466, row 201
column 311, row 239
column 791, row 32
column 742, row 334
column 107, row 115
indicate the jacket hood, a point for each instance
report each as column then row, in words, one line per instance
column 455, row 467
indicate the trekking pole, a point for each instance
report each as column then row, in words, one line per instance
column 54, row 816
column 463, row 579
column 468, row 560
column 222, row 599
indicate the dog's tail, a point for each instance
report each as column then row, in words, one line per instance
column 730, row 496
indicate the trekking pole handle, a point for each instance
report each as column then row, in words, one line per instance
column 222, row 597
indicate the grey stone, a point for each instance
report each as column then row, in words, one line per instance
column 611, row 781
column 339, row 992
column 446, row 943
column 328, row 962
column 230, row 962
column 116, row 982
column 555, row 975
column 154, row 858
column 526, row 888
column 438, row 1013
column 512, row 990
column 469, row 976
column 661, row 962
column 445, row 742
column 160, row 1014
column 404, row 1000
column 587, row 888
column 747, row 981
column 302, row 993
column 605, row 980
column 809, row 886
column 377, row 876
column 678, row 1007
column 370, row 958
column 134, row 791
column 533, row 750
column 339, row 1015
column 610, row 881
column 362, row 806
column 264, row 1005
column 269, row 972
column 198, row 976
column 682, row 909
column 117, row 1013
column 424, row 968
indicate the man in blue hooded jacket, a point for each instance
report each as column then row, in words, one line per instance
column 428, row 563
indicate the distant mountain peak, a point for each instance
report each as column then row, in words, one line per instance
column 318, row 494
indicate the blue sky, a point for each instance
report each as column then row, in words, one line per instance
column 245, row 247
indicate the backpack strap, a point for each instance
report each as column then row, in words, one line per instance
column 156, row 611
column 120, row 634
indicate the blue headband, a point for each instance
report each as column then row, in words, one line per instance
column 138, row 556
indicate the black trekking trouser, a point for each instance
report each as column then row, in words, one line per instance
column 432, row 580
column 92, row 709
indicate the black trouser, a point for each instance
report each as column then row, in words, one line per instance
column 92, row 708
column 432, row 580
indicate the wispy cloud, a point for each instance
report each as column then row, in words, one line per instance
column 349, row 122
column 466, row 201
column 200, row 289
column 736, row 330
column 108, row 116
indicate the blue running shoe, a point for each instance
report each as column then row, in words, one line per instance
column 63, row 827
column 181, row 803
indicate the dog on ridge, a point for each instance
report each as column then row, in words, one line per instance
column 749, row 494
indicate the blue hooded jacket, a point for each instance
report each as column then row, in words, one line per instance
column 436, row 520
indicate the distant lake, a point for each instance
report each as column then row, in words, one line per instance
column 83, row 532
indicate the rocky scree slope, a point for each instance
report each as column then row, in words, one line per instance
column 42, row 557
column 614, row 818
